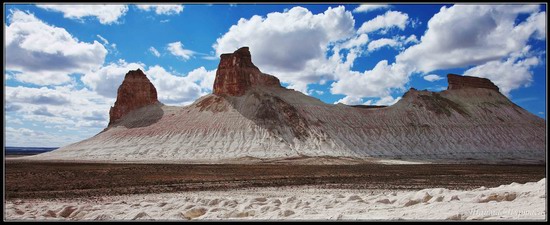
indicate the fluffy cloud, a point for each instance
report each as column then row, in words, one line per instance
column 411, row 39
column 464, row 35
column 63, row 105
column 203, row 77
column 46, row 55
column 36, row 96
column 377, row 82
column 293, row 60
column 388, row 100
column 32, row 138
column 432, row 77
column 385, row 22
column 351, row 100
column 106, row 14
column 181, row 90
column 106, row 80
column 536, row 23
column 12, row 108
column 454, row 29
column 154, row 51
column 172, row 89
column 176, row 48
column 357, row 41
column 376, row 44
column 162, row 9
column 507, row 75
column 364, row 8
column 43, row 111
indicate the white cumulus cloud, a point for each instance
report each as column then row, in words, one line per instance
column 488, row 37
column 180, row 90
column 377, row 82
column 46, row 55
column 350, row 100
column 64, row 106
column 357, row 41
column 411, row 39
column 204, row 78
column 31, row 138
column 36, row 96
column 106, row 14
column 389, row 20
column 465, row 35
column 507, row 75
column 106, row 80
column 376, row 44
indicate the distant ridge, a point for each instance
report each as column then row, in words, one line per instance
column 10, row 150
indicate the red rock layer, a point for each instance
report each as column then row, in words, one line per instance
column 461, row 82
column 135, row 92
column 236, row 74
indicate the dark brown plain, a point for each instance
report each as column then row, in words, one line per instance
column 26, row 179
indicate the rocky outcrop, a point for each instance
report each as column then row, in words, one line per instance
column 236, row 74
column 135, row 92
column 468, row 123
column 461, row 82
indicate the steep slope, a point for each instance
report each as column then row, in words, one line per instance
column 251, row 115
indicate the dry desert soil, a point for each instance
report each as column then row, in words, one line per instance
column 27, row 179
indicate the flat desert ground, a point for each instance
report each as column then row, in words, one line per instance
column 102, row 191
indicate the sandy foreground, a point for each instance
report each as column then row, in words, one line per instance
column 506, row 202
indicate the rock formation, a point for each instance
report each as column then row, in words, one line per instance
column 250, row 116
column 236, row 74
column 136, row 91
column 460, row 82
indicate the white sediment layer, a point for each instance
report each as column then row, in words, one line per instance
column 506, row 202
column 466, row 125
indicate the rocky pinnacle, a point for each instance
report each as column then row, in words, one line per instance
column 236, row 74
column 135, row 92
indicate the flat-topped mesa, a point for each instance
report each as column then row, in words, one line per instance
column 135, row 92
column 236, row 74
column 461, row 82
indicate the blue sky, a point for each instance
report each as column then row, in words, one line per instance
column 64, row 62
